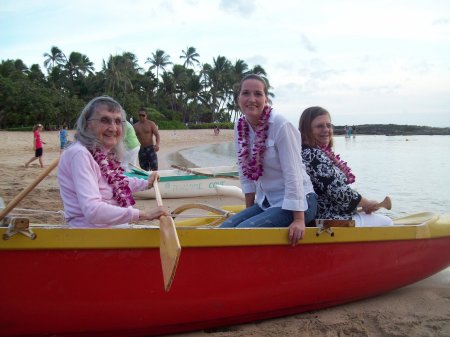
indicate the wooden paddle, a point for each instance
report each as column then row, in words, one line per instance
column 27, row 190
column 169, row 245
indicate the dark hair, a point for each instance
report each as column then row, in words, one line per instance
column 305, row 122
column 238, row 87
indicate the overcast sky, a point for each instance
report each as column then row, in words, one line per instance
column 365, row 61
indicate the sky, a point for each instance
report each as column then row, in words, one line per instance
column 365, row 61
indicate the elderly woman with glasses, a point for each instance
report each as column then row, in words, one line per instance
column 93, row 188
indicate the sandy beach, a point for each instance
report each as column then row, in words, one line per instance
column 419, row 310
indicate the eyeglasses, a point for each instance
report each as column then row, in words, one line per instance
column 141, row 115
column 107, row 121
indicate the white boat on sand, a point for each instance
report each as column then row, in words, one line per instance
column 193, row 182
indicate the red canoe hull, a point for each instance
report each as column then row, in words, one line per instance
column 119, row 292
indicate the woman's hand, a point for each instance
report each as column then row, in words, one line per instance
column 297, row 228
column 154, row 213
column 369, row 206
column 151, row 178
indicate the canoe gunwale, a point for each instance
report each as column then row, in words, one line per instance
column 144, row 237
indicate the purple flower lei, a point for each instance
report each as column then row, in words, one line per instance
column 252, row 164
column 113, row 172
column 342, row 165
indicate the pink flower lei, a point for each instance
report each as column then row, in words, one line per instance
column 252, row 164
column 113, row 172
column 342, row 165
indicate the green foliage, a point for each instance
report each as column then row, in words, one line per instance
column 175, row 94
column 222, row 125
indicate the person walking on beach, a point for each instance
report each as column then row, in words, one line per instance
column 132, row 146
column 63, row 137
column 145, row 131
column 278, row 191
column 37, row 145
column 331, row 176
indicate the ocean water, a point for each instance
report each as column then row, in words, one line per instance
column 413, row 170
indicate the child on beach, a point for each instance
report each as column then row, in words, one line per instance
column 37, row 145
column 63, row 137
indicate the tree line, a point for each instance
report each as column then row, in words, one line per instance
column 174, row 94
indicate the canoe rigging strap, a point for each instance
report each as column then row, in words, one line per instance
column 197, row 173
column 17, row 225
column 220, row 213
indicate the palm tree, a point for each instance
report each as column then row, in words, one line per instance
column 190, row 57
column 120, row 72
column 220, row 83
column 78, row 65
column 158, row 60
column 56, row 56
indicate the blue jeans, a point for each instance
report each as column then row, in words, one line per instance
column 255, row 216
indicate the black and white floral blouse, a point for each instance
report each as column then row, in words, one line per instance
column 336, row 199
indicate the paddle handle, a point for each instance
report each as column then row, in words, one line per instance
column 157, row 193
column 27, row 190
column 386, row 203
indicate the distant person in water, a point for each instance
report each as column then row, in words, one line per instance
column 216, row 130
column 148, row 135
column 278, row 191
column 349, row 131
column 37, row 146
column 331, row 176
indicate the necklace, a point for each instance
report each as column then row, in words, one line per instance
column 342, row 165
column 113, row 173
column 251, row 162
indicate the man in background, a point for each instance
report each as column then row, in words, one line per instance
column 148, row 135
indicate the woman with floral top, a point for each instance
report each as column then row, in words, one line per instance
column 278, row 191
column 93, row 188
column 331, row 176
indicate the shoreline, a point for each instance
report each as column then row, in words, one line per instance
column 418, row 310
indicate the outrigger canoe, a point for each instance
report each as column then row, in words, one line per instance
column 58, row 281
column 192, row 182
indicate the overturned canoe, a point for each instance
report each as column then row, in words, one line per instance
column 195, row 182
column 108, row 282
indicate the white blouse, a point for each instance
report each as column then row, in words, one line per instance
column 284, row 182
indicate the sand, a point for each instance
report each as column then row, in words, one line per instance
column 419, row 310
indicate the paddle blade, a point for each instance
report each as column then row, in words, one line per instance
column 169, row 249
column 386, row 203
